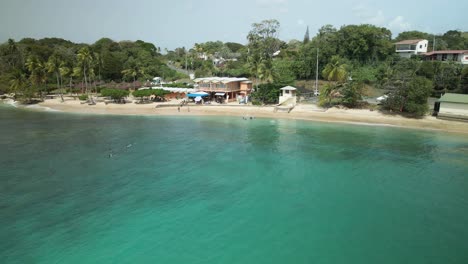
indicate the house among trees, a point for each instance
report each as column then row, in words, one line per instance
column 460, row 56
column 408, row 48
column 228, row 88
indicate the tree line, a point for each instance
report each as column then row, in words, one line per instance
column 350, row 58
column 31, row 66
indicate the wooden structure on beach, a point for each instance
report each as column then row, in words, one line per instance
column 229, row 88
column 287, row 99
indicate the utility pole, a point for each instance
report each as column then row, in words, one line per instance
column 316, row 75
column 434, row 44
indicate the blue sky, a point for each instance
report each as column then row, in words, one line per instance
column 177, row 23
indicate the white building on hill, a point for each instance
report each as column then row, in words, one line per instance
column 408, row 48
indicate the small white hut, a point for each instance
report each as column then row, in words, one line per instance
column 288, row 93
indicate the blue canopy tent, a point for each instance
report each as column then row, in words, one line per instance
column 201, row 94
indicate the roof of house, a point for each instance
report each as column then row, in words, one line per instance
column 454, row 98
column 171, row 89
column 289, row 88
column 220, row 80
column 409, row 41
column 446, row 52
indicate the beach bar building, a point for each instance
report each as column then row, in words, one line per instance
column 452, row 106
column 227, row 87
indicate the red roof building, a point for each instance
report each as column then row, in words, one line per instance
column 448, row 55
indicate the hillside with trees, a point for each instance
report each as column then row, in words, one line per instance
column 352, row 59
column 30, row 66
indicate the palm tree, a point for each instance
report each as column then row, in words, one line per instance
column 133, row 72
column 18, row 82
column 328, row 92
column 254, row 65
column 335, row 70
column 53, row 66
column 98, row 62
column 84, row 62
column 265, row 71
column 38, row 72
column 66, row 71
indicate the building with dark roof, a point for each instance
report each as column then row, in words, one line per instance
column 448, row 55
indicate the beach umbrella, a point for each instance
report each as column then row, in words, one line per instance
column 197, row 94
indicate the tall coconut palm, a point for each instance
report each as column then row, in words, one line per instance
column 18, row 82
column 53, row 66
column 67, row 72
column 85, row 59
column 265, row 71
column 77, row 72
column 98, row 63
column 38, row 72
column 253, row 63
column 133, row 72
column 335, row 70
column 92, row 75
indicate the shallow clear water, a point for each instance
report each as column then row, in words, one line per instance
column 115, row 189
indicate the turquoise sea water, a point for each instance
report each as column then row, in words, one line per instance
column 227, row 190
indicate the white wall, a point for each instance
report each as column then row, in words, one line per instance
column 421, row 47
column 463, row 58
column 286, row 95
column 453, row 109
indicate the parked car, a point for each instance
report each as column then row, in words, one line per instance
column 381, row 98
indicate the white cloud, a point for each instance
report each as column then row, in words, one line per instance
column 399, row 23
column 368, row 15
column 377, row 19
column 300, row 22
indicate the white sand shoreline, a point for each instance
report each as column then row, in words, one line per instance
column 300, row 112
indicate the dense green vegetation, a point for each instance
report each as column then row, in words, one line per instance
column 149, row 92
column 351, row 58
column 116, row 94
column 30, row 67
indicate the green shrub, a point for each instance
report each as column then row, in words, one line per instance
column 411, row 97
column 141, row 93
column 115, row 94
column 267, row 93
column 83, row 97
column 149, row 92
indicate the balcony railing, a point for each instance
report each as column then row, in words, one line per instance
column 406, row 47
column 219, row 89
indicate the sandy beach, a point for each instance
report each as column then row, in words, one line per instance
column 300, row 112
